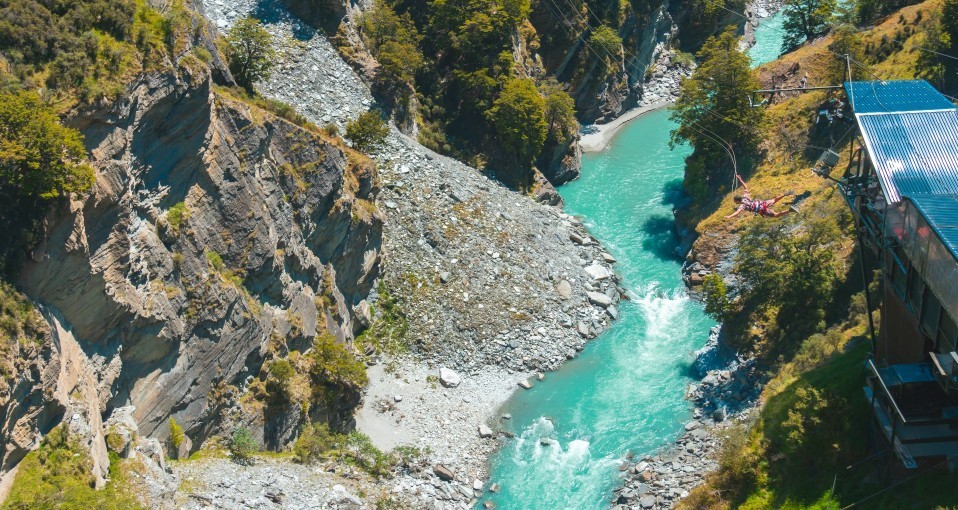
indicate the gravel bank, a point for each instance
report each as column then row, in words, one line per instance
column 406, row 404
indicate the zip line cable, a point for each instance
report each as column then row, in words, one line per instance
column 722, row 144
column 626, row 53
column 568, row 25
column 721, row 5
column 922, row 48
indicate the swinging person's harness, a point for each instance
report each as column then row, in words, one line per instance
column 755, row 206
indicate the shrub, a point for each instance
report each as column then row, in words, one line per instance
column 368, row 132
column 560, row 116
column 243, row 446
column 59, row 474
column 280, row 376
column 717, row 304
column 177, row 216
column 333, row 363
column 389, row 325
column 362, row 453
column 215, row 260
column 683, row 58
column 606, row 41
column 316, row 442
column 176, row 434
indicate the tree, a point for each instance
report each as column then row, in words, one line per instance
column 717, row 304
column 518, row 115
column 393, row 40
column 941, row 37
column 243, row 445
column 560, row 116
column 791, row 271
column 39, row 158
column 845, row 41
column 250, row 51
column 607, row 43
column 39, row 161
column 176, row 434
column 712, row 103
column 367, row 132
column 805, row 20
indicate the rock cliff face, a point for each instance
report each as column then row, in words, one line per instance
column 213, row 229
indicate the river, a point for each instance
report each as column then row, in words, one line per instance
column 625, row 393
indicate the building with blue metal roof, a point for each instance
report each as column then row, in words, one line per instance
column 902, row 187
column 910, row 132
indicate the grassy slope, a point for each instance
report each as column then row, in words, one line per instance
column 767, row 467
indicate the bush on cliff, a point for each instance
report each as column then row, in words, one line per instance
column 39, row 160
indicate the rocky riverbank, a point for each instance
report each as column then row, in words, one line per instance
column 727, row 392
column 493, row 285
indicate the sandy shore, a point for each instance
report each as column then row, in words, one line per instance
column 446, row 420
column 601, row 134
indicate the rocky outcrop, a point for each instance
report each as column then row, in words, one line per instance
column 560, row 163
column 28, row 372
column 213, row 229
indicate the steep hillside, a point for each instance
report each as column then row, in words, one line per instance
column 790, row 293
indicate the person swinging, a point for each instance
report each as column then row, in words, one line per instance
column 759, row 207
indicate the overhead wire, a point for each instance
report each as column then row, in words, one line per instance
column 922, row 48
column 626, row 53
column 558, row 12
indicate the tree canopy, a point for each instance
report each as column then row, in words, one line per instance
column 941, row 38
column 519, row 117
column 845, row 41
column 393, row 40
column 713, row 102
column 606, row 41
column 39, row 158
column 805, row 20
column 250, row 51
column 367, row 132
column 560, row 116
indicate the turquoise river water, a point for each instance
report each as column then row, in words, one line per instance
column 625, row 392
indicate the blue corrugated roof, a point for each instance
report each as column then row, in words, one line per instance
column 913, row 153
column 868, row 97
column 941, row 211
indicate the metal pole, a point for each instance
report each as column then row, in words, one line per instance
column 868, row 299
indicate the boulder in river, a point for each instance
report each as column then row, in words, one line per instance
column 599, row 299
column 484, row 430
